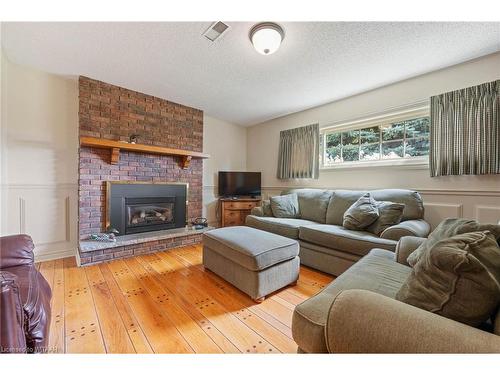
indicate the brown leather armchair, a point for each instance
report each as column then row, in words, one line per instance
column 24, row 296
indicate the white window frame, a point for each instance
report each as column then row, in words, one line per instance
column 420, row 109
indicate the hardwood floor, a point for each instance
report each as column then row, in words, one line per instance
column 167, row 303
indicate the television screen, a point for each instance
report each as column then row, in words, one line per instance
column 239, row 184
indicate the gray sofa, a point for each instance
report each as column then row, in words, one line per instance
column 324, row 243
column 358, row 313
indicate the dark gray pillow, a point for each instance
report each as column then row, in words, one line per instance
column 389, row 214
column 449, row 228
column 361, row 214
column 285, row 206
column 457, row 277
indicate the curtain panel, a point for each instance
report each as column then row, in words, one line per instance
column 465, row 131
column 299, row 153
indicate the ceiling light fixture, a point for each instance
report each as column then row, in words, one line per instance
column 266, row 37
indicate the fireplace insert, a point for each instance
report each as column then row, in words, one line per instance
column 139, row 207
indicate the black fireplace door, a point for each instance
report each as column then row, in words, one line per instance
column 136, row 208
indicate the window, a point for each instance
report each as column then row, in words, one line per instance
column 402, row 138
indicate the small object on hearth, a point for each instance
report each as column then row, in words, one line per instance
column 200, row 223
column 134, row 138
column 102, row 237
column 110, row 229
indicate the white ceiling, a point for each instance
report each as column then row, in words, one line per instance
column 317, row 62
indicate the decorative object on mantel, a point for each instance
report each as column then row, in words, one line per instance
column 133, row 139
column 116, row 146
column 103, row 237
column 465, row 131
column 298, row 153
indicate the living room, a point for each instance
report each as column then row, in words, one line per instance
column 212, row 186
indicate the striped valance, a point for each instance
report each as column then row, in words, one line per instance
column 465, row 131
column 299, row 153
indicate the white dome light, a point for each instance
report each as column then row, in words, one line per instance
column 266, row 37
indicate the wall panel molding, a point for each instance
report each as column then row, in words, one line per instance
column 487, row 214
column 461, row 192
column 39, row 186
column 45, row 212
column 22, row 215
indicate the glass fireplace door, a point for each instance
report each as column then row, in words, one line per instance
column 146, row 214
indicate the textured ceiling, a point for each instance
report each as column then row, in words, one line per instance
column 317, row 62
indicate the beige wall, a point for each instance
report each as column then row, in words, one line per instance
column 446, row 196
column 39, row 158
column 227, row 145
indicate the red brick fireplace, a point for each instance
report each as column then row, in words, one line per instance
column 115, row 113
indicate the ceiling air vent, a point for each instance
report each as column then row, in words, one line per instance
column 215, row 31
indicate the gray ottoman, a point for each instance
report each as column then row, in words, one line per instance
column 256, row 262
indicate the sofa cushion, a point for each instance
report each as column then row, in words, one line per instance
column 339, row 238
column 414, row 205
column 377, row 272
column 449, row 228
column 313, row 203
column 251, row 248
column 285, row 206
column 389, row 214
column 284, row 227
column 339, row 203
column 361, row 214
column 343, row 199
column 458, row 278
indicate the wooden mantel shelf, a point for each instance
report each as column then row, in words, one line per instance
column 116, row 146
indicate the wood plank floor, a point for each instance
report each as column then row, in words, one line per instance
column 167, row 303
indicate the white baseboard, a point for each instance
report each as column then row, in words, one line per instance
column 55, row 255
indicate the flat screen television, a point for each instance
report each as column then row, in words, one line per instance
column 234, row 184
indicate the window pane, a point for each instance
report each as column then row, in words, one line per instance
column 417, row 147
column 392, row 150
column 350, row 152
column 370, row 152
column 370, row 135
column 333, row 155
column 418, row 127
column 332, row 140
column 393, row 131
column 333, row 148
column 350, row 138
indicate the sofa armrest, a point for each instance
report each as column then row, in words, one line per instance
column 16, row 250
column 12, row 337
column 405, row 246
column 361, row 321
column 257, row 211
column 417, row 228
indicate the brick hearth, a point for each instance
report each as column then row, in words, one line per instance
column 112, row 112
column 97, row 256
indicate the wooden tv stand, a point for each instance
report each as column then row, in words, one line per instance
column 234, row 211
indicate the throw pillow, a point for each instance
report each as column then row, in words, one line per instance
column 449, row 228
column 266, row 208
column 362, row 213
column 390, row 214
column 458, row 277
column 285, row 206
